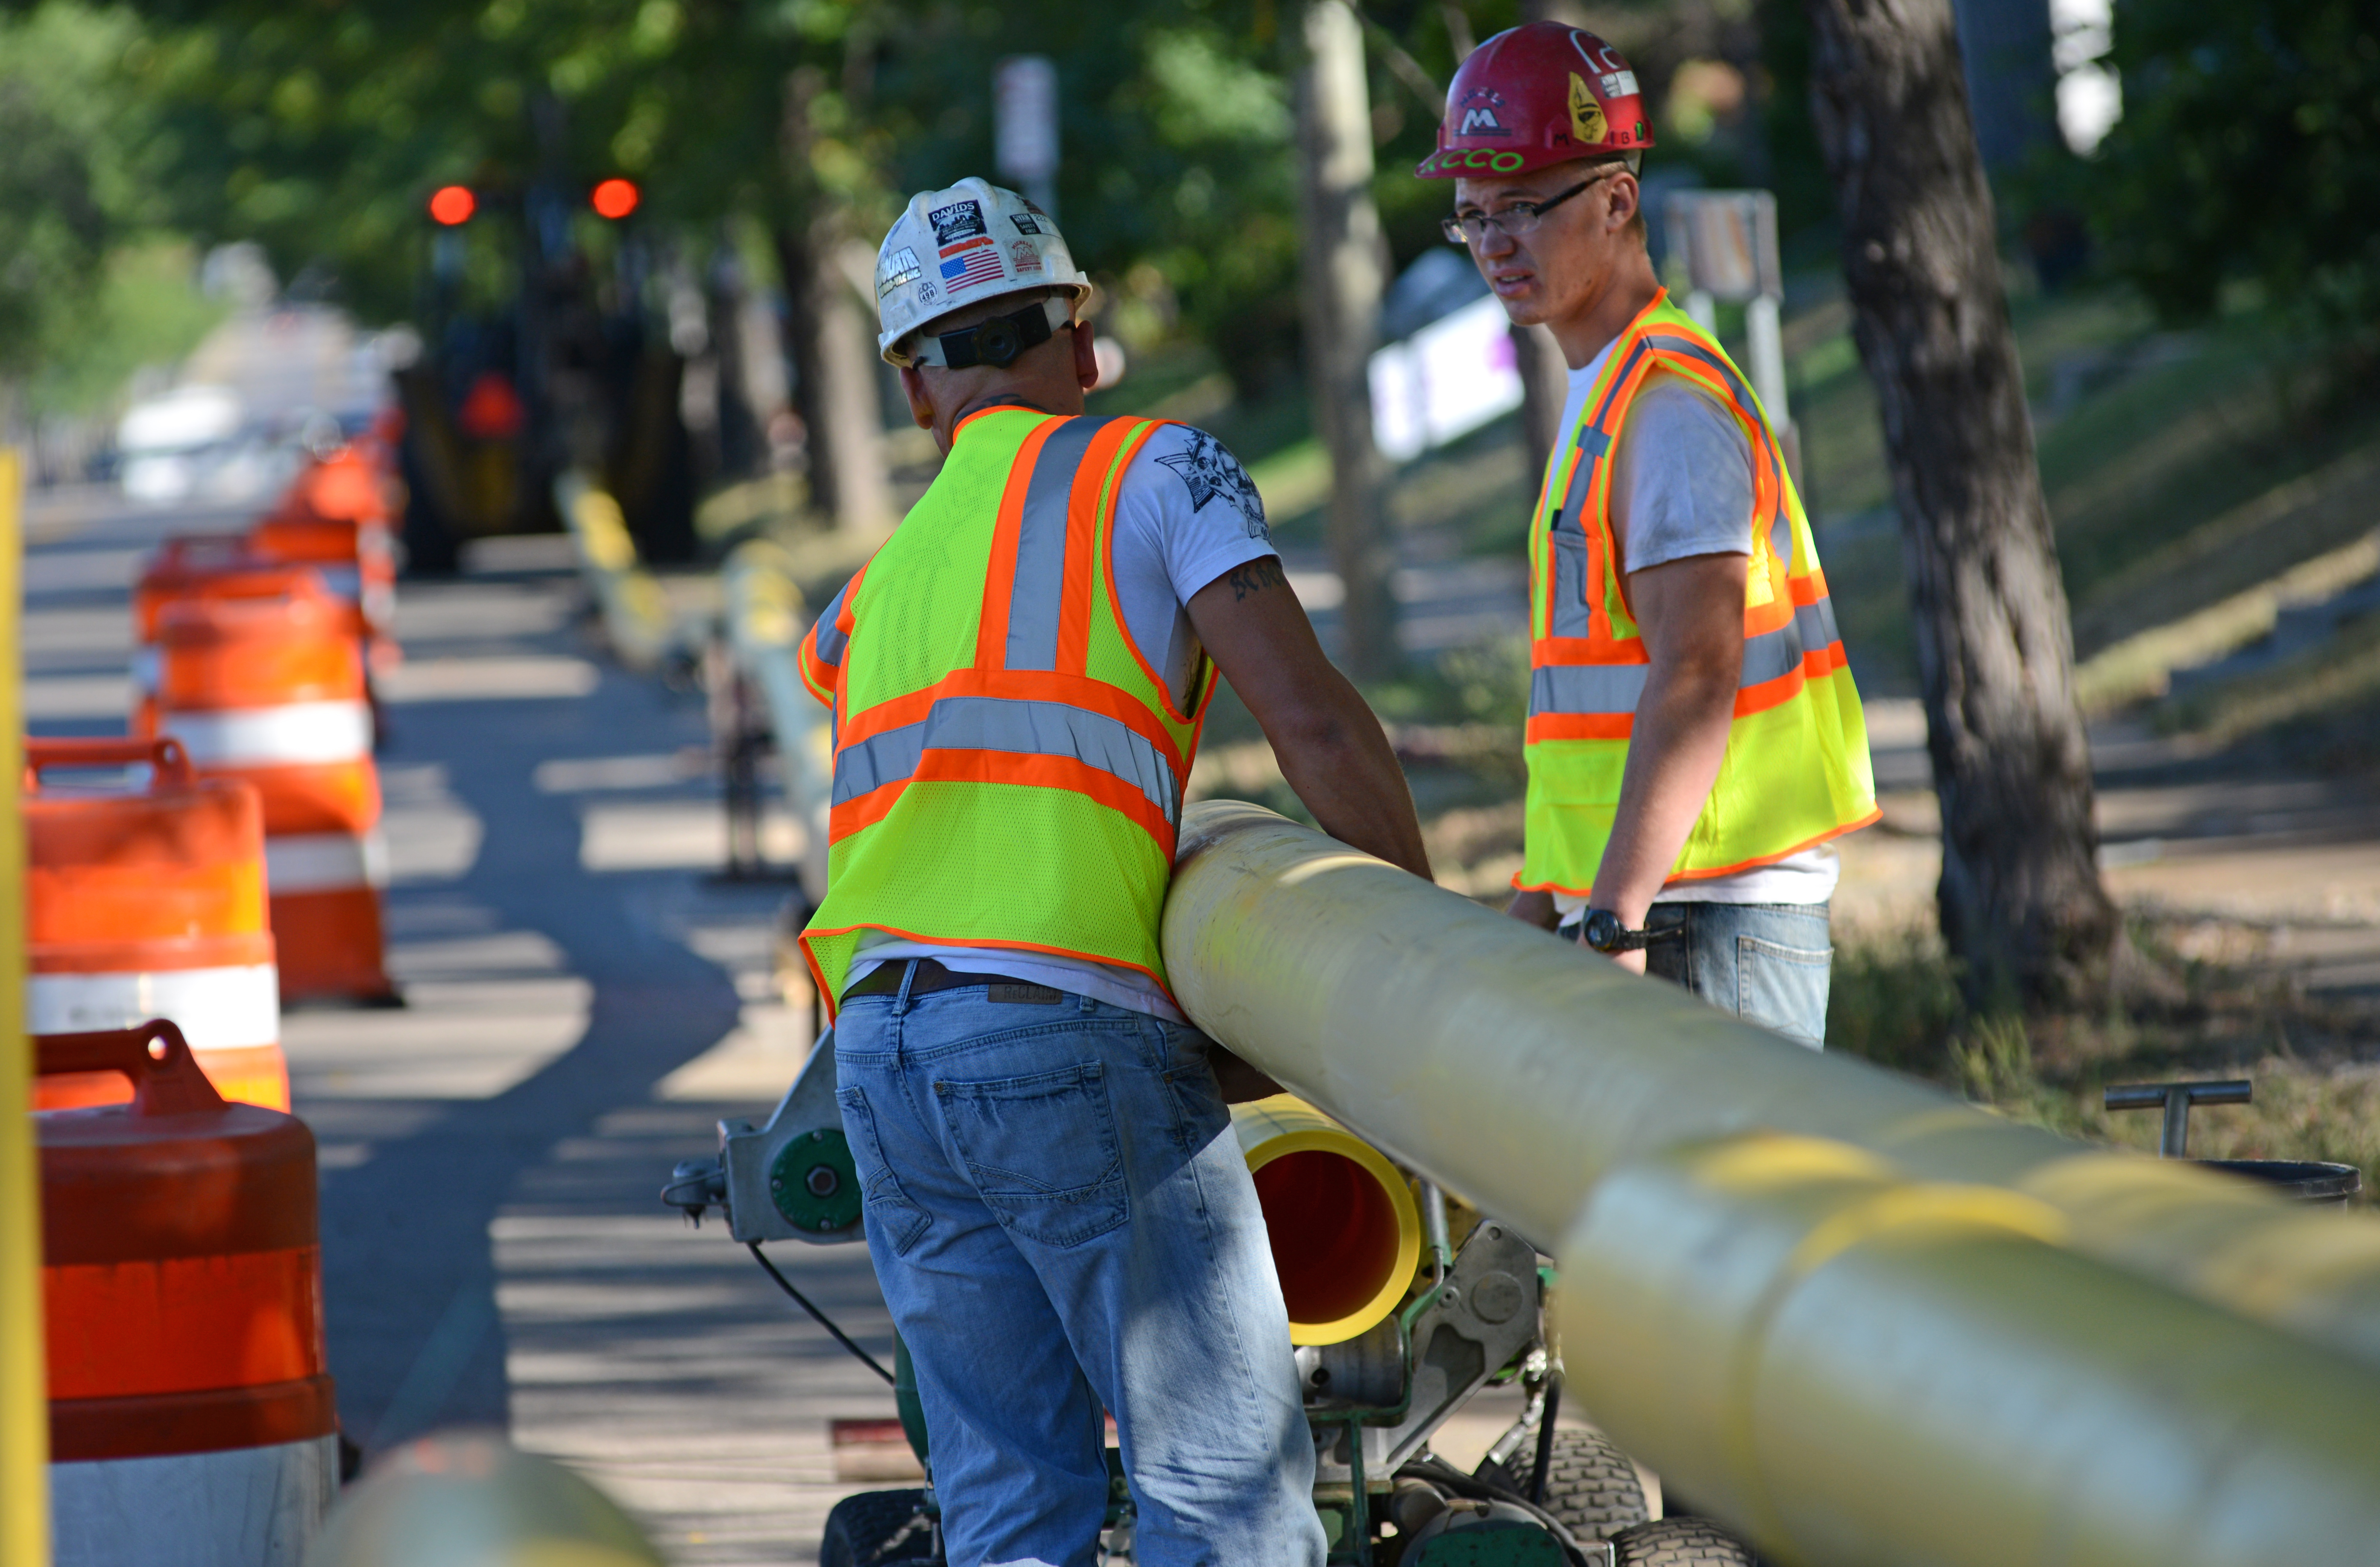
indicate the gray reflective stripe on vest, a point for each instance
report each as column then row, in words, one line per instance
column 1586, row 688
column 1040, row 582
column 1571, row 614
column 1020, row 728
column 1618, row 687
column 831, row 640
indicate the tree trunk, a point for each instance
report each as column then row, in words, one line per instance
column 831, row 345
column 1342, row 267
column 2022, row 902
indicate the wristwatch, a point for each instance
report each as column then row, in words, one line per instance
column 1603, row 931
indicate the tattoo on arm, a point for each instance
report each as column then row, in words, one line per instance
column 1256, row 576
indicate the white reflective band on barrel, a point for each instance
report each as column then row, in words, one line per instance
column 1021, row 728
column 324, row 862
column 1616, row 688
column 292, row 733
column 144, row 670
column 217, row 1009
column 346, row 582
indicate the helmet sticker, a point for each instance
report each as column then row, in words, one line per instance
column 972, row 267
column 1025, row 224
column 926, row 292
column 1586, row 121
column 1479, row 114
column 960, row 219
column 1620, row 84
column 974, row 244
column 1024, row 257
column 896, row 269
column 1602, row 57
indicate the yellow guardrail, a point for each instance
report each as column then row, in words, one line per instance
column 24, row 1407
column 1857, row 1319
column 634, row 610
column 766, row 616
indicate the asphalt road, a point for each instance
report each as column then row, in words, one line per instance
column 585, row 1002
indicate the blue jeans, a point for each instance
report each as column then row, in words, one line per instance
column 1767, row 963
column 1063, row 1221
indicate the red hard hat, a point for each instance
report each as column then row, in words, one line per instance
column 1534, row 95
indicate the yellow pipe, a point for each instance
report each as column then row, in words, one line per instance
column 1549, row 1088
column 1512, row 1068
column 1861, row 1370
column 24, row 1402
column 1346, row 1236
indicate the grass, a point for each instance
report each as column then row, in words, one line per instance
column 2317, row 1085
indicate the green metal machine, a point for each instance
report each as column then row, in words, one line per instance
column 1472, row 1317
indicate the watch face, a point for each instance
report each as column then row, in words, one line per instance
column 1602, row 932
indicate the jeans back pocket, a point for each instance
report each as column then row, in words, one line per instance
column 1783, row 988
column 1041, row 1151
column 883, row 1204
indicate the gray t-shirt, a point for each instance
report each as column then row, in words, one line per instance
column 1682, row 486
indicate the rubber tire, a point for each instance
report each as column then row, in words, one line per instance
column 1591, row 1487
column 1679, row 1542
column 860, row 1526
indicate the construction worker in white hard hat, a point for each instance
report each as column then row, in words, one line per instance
column 1695, row 743
column 1057, row 1207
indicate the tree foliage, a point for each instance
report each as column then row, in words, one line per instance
column 2249, row 151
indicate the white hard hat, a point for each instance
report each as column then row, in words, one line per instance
column 959, row 247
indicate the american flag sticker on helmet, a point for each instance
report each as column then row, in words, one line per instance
column 972, row 267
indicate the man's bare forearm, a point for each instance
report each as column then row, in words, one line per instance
column 1673, row 758
column 1339, row 762
column 1691, row 613
column 1330, row 747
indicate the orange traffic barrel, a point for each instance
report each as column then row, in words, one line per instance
column 199, row 565
column 335, row 518
column 272, row 690
column 190, row 1414
column 144, row 901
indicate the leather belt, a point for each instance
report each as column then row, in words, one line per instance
column 885, row 981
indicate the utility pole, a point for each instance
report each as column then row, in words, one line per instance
column 832, row 347
column 2021, row 900
column 1343, row 263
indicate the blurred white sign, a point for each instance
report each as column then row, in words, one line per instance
column 1024, row 119
column 1445, row 381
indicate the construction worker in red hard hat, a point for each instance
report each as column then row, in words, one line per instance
column 1693, row 740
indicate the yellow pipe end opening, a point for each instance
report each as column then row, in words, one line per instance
column 1346, row 1234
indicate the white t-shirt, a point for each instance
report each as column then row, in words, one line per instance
column 1682, row 485
column 1186, row 513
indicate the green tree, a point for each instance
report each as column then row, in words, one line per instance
column 2249, row 150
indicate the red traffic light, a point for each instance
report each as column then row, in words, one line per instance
column 452, row 204
column 615, row 198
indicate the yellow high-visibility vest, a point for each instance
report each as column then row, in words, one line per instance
column 1796, row 771
column 1008, row 764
